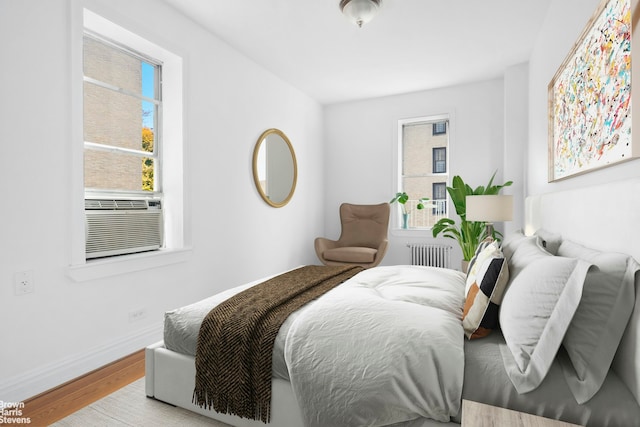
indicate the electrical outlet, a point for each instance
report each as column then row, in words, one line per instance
column 24, row 283
column 137, row 314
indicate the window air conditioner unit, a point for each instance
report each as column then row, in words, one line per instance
column 122, row 226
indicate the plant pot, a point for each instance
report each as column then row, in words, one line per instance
column 464, row 265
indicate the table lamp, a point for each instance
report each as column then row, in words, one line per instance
column 489, row 209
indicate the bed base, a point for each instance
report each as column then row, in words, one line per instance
column 170, row 378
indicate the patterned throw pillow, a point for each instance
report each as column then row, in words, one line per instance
column 481, row 247
column 488, row 248
column 484, row 296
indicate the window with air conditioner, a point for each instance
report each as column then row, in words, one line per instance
column 128, row 163
column 423, row 168
column 122, row 119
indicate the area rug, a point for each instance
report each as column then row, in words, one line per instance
column 129, row 407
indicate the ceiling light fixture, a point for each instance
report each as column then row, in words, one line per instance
column 360, row 11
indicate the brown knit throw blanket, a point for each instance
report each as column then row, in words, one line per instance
column 235, row 342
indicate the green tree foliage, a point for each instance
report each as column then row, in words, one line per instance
column 147, row 162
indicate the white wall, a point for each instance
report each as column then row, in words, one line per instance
column 565, row 21
column 66, row 328
column 360, row 144
column 516, row 103
column 489, row 133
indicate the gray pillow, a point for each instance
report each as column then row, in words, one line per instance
column 600, row 320
column 536, row 311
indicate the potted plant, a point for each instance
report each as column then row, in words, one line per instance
column 402, row 198
column 468, row 233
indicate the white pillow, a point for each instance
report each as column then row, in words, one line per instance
column 535, row 313
column 521, row 253
column 600, row 320
column 511, row 243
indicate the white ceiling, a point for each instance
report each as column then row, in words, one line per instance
column 410, row 45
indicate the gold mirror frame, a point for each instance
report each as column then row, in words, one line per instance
column 256, row 174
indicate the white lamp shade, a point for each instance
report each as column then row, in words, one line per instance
column 360, row 11
column 490, row 208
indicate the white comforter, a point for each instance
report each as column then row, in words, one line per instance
column 384, row 347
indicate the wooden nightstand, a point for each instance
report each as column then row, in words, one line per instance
column 476, row 414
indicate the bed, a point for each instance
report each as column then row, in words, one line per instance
column 498, row 369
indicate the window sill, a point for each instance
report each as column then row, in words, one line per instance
column 107, row 267
column 414, row 232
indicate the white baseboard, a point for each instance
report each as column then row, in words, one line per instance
column 28, row 384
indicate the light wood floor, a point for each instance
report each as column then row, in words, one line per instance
column 55, row 404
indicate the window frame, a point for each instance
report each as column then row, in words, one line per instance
column 177, row 235
column 445, row 192
column 156, row 155
column 397, row 157
column 435, row 130
column 435, row 162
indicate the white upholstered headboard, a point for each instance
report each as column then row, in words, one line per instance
column 607, row 218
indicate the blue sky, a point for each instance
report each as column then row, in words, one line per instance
column 148, row 87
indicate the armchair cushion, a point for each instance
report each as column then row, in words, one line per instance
column 351, row 254
column 363, row 225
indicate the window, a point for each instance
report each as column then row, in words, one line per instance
column 439, row 128
column 440, row 160
column 439, row 193
column 156, row 105
column 422, row 163
column 121, row 113
column 122, row 105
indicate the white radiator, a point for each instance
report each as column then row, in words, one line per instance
column 430, row 255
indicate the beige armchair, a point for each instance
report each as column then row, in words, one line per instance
column 363, row 240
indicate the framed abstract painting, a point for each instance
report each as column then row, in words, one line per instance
column 590, row 96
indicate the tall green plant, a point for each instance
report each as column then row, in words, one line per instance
column 468, row 233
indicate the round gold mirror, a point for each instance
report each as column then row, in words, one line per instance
column 275, row 170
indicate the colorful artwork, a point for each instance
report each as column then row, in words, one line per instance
column 590, row 97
